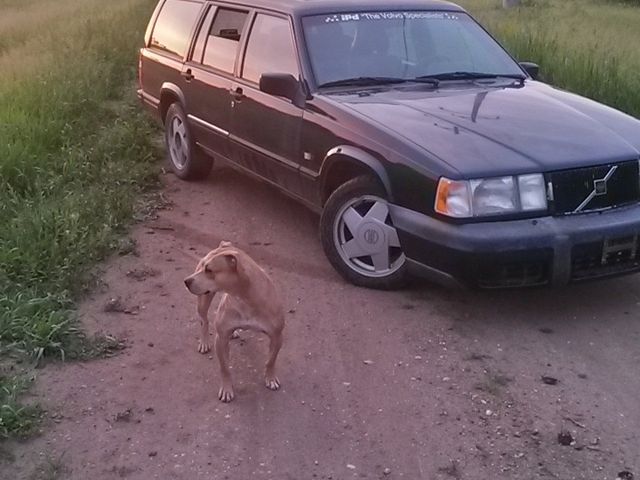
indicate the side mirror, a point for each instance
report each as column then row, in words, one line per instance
column 282, row 85
column 533, row 69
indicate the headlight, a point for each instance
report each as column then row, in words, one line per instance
column 491, row 196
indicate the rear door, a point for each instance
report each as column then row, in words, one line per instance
column 209, row 77
column 265, row 129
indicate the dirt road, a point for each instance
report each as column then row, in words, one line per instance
column 420, row 384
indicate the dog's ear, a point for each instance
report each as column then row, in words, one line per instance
column 232, row 261
column 224, row 244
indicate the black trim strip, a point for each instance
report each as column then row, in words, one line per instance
column 266, row 153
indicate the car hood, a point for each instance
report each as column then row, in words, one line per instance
column 484, row 131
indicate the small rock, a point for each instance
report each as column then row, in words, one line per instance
column 113, row 305
column 153, row 454
column 488, row 413
column 625, row 475
column 387, row 471
column 367, row 362
column 549, row 380
column 350, row 466
column 315, row 462
column 149, row 410
column 124, row 416
column 150, row 344
column 565, row 438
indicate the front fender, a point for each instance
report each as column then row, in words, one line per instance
column 356, row 155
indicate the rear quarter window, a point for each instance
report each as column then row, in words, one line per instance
column 174, row 25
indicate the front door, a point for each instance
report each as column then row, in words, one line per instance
column 265, row 129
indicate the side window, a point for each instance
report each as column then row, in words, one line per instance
column 198, row 49
column 224, row 39
column 270, row 49
column 173, row 27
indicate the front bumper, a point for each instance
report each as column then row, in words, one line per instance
column 515, row 253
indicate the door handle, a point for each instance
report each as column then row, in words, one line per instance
column 237, row 93
column 187, row 74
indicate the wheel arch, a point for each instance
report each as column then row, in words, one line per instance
column 169, row 94
column 344, row 162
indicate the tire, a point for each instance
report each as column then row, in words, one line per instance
column 356, row 221
column 186, row 160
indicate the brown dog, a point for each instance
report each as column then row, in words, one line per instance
column 250, row 301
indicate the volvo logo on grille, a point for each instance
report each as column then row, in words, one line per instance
column 599, row 188
column 371, row 236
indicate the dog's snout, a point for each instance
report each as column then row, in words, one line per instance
column 188, row 281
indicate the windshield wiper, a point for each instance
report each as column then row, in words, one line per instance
column 363, row 81
column 471, row 76
column 372, row 81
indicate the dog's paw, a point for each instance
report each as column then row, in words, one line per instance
column 204, row 347
column 272, row 383
column 225, row 395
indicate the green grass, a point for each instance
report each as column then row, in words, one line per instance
column 76, row 151
column 15, row 419
column 589, row 47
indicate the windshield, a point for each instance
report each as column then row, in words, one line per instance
column 401, row 45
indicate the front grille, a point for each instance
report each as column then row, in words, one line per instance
column 514, row 274
column 601, row 259
column 572, row 188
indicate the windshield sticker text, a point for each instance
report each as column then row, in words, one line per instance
column 368, row 16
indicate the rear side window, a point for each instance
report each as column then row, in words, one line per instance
column 174, row 25
column 270, row 49
column 224, row 39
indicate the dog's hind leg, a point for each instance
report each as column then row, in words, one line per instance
column 204, row 302
column 225, row 393
column 270, row 378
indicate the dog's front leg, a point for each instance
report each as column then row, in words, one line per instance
column 204, row 302
column 225, row 393
column 270, row 378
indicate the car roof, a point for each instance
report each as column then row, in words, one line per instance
column 313, row 7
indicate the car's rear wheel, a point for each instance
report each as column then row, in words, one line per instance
column 185, row 158
column 359, row 238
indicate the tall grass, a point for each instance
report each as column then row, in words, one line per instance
column 589, row 47
column 75, row 152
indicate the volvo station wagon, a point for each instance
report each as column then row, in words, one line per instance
column 425, row 147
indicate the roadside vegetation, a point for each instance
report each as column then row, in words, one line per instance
column 75, row 153
column 589, row 47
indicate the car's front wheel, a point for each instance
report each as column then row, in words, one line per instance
column 185, row 159
column 359, row 238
